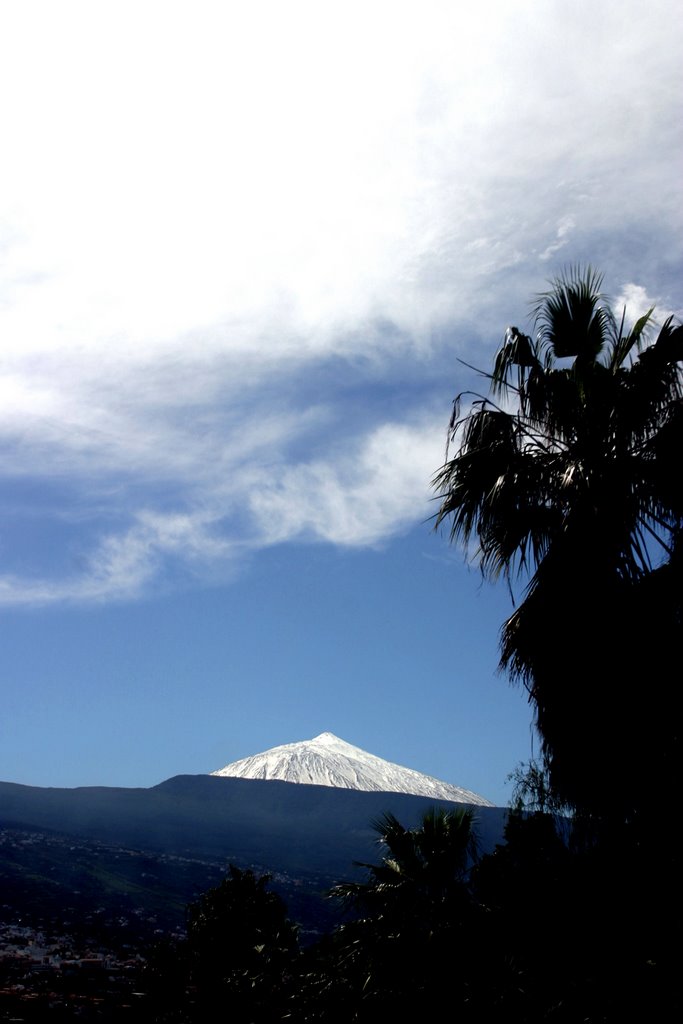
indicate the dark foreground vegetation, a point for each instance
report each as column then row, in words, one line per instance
column 550, row 927
column 554, row 925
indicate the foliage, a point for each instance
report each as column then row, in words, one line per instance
column 241, row 945
column 540, row 930
column 424, row 869
column 568, row 475
column 532, row 791
column 240, row 953
column 416, row 913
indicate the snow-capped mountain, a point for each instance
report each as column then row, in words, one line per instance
column 328, row 761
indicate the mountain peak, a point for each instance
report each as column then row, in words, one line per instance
column 327, row 760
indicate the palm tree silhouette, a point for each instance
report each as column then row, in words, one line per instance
column 569, row 475
column 417, row 914
column 423, row 875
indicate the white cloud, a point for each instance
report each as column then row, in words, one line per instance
column 358, row 498
column 361, row 496
column 203, row 213
column 564, row 229
column 239, row 174
column 634, row 302
column 122, row 566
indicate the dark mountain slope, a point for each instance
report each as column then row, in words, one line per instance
column 280, row 825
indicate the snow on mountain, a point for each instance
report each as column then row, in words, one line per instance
column 328, row 761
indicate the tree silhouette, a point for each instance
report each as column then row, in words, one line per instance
column 424, row 871
column 415, row 925
column 240, row 947
column 569, row 475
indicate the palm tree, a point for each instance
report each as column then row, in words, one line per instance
column 569, row 475
column 423, row 874
column 417, row 922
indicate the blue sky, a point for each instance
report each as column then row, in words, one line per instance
column 244, row 248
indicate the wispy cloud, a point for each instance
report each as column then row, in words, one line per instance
column 217, row 265
column 357, row 498
column 123, row 565
column 563, row 233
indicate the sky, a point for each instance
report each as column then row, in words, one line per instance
column 246, row 253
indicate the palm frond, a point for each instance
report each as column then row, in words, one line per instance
column 518, row 353
column 623, row 344
column 569, row 318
